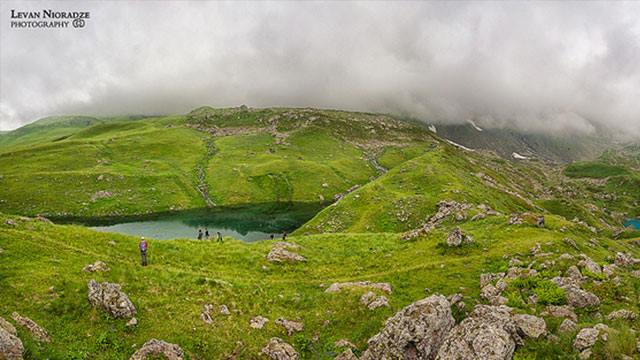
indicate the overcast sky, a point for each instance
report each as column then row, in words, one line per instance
column 537, row 66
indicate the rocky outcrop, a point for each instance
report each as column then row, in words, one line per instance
column 338, row 287
column 290, row 326
column 589, row 264
column 110, row 298
column 373, row 301
column 446, row 208
column 415, row 332
column 11, row 347
column 98, row 266
column 530, row 326
column 488, row 333
column 38, row 332
column 457, row 238
column 154, row 348
column 258, row 322
column 277, row 349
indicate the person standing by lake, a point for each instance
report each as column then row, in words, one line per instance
column 284, row 236
column 206, row 233
column 143, row 250
column 199, row 234
column 219, row 236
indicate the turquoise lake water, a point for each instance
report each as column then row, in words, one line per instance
column 634, row 223
column 248, row 224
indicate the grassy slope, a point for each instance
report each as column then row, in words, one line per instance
column 150, row 165
column 42, row 278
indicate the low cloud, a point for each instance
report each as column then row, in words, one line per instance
column 536, row 66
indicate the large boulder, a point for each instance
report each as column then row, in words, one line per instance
column 38, row 332
column 277, row 349
column 110, row 298
column 281, row 254
column 415, row 332
column 154, row 348
column 10, row 345
column 489, row 333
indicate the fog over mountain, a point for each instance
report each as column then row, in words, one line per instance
column 538, row 67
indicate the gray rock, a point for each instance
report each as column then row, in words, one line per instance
column 563, row 311
column 488, row 333
column 372, row 301
column 280, row 254
column 154, row 348
column 277, row 349
column 586, row 338
column 457, row 238
column 11, row 347
column 38, row 332
column 576, row 296
column 567, row 326
column 290, row 326
column 415, row 332
column 7, row 326
column 530, row 326
column 206, row 314
column 110, row 298
column 625, row 259
column 622, row 314
column 98, row 266
column 258, row 322
column 589, row 264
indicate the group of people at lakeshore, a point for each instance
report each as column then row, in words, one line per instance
column 144, row 245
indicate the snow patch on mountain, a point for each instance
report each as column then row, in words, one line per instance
column 515, row 155
column 458, row 145
column 474, row 125
column 433, row 129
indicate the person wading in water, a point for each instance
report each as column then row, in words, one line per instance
column 143, row 251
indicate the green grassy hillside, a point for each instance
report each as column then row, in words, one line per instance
column 41, row 278
column 209, row 157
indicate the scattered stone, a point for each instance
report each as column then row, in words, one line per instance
column 338, row 287
column 280, row 254
column 36, row 330
column 530, row 326
column 224, row 310
column 290, row 326
column 7, row 326
column 206, row 314
column 11, row 347
column 457, row 238
column 446, row 208
column 43, row 219
column 133, row 322
column 515, row 219
column 372, row 301
column 535, row 249
column 110, row 298
column 609, row 270
column 415, row 332
column 258, row 322
column 540, row 221
column 625, row 259
column 563, row 311
column 489, row 277
column 346, row 355
column 567, row 326
column 98, row 266
column 586, row 338
column 488, row 333
column 622, row 314
column 574, row 274
column 566, row 256
column 585, row 354
column 571, row 243
column 10, row 222
column 154, row 347
column 277, row 349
